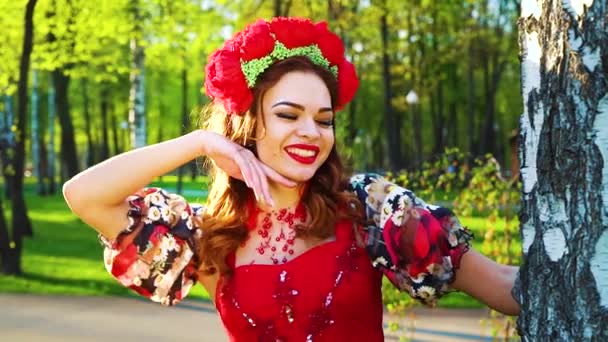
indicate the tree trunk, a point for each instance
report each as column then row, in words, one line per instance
column 489, row 132
column 392, row 131
column 35, row 122
column 414, row 109
column 281, row 8
column 137, row 109
column 471, row 101
column 114, row 131
column 51, row 128
column 69, row 157
column 563, row 283
column 20, row 221
column 6, row 251
column 184, row 126
column 105, row 145
column 7, row 141
column 8, row 145
column 438, row 114
column 87, row 124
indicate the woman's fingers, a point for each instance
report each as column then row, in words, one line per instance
column 245, row 170
column 255, row 174
column 255, row 178
column 263, row 181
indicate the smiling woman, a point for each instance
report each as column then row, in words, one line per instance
column 288, row 245
column 297, row 133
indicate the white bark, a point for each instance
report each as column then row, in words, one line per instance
column 137, row 113
column 532, row 120
column 576, row 7
column 137, row 110
column 531, row 8
column 563, row 283
column 599, row 268
column 601, row 141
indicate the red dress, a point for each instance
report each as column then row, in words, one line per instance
column 329, row 293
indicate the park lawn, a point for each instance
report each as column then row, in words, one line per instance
column 65, row 256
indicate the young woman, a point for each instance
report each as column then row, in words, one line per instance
column 288, row 247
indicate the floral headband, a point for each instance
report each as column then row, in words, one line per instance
column 233, row 70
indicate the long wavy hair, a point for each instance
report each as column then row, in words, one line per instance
column 325, row 198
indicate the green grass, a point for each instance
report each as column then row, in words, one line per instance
column 65, row 257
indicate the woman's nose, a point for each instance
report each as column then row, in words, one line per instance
column 309, row 128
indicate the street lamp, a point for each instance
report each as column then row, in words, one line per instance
column 412, row 100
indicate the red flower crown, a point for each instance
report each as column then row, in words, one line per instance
column 232, row 70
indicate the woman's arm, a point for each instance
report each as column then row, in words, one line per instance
column 488, row 281
column 98, row 194
column 424, row 250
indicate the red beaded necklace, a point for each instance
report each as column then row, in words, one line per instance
column 277, row 244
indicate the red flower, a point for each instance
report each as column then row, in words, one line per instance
column 330, row 44
column 347, row 83
column 257, row 41
column 293, row 32
column 226, row 83
column 421, row 242
column 124, row 260
column 159, row 231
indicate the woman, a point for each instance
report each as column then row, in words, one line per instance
column 287, row 247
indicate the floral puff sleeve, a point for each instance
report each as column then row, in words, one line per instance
column 156, row 254
column 416, row 245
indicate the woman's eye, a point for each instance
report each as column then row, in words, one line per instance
column 326, row 123
column 287, row 116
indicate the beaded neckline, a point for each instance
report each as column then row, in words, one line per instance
column 276, row 232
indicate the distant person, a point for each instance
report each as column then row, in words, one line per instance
column 288, row 246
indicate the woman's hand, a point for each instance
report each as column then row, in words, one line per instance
column 240, row 163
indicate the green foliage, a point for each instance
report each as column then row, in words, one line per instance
column 11, row 40
column 431, row 44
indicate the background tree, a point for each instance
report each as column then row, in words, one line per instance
column 563, row 285
column 137, row 104
column 21, row 225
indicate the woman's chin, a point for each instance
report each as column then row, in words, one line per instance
column 298, row 177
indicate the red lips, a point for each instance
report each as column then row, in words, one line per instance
column 304, row 147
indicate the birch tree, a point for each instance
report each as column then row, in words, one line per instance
column 563, row 284
column 137, row 114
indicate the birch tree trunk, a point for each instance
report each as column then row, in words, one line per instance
column 51, row 127
column 137, row 114
column 35, row 123
column 563, row 283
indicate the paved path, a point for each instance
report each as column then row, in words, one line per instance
column 67, row 318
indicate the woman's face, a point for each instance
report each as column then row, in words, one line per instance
column 295, row 135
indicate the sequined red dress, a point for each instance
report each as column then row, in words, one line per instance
column 329, row 293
